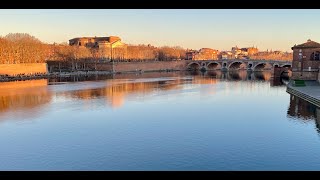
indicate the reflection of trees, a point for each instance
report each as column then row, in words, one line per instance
column 23, row 95
column 204, row 80
column 116, row 93
column 303, row 111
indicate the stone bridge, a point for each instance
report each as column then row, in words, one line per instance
column 237, row 64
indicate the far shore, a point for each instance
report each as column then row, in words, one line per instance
column 22, row 77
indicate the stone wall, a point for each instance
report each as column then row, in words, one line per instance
column 27, row 68
column 56, row 66
column 68, row 66
column 99, row 66
column 150, row 66
column 276, row 71
column 305, row 75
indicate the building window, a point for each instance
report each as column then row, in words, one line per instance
column 315, row 56
column 300, row 54
column 79, row 43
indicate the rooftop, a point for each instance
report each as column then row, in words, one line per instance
column 308, row 44
column 111, row 39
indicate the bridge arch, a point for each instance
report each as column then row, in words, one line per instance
column 276, row 65
column 286, row 65
column 236, row 65
column 194, row 66
column 261, row 66
column 285, row 74
column 213, row 66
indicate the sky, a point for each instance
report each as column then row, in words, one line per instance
column 220, row 29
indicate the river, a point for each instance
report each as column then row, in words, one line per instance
column 157, row 121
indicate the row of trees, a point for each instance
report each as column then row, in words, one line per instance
column 273, row 56
column 64, row 52
column 131, row 52
column 148, row 52
column 22, row 48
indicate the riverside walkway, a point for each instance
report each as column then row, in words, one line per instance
column 310, row 92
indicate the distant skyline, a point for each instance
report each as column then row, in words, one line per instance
column 195, row 29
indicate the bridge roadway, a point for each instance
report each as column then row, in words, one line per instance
column 237, row 64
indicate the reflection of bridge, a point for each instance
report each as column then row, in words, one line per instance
column 244, row 76
column 237, row 64
column 236, row 75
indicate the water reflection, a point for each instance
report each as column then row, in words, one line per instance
column 241, row 75
column 115, row 92
column 222, row 75
column 303, row 111
column 178, row 124
column 24, row 95
column 56, row 80
column 28, row 97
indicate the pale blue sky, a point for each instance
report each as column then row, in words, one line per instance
column 219, row 29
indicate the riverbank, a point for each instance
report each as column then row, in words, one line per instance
column 310, row 92
column 22, row 77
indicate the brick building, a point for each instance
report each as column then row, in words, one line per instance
column 202, row 54
column 243, row 53
column 306, row 61
column 191, row 54
column 225, row 55
column 208, row 54
column 108, row 47
column 251, row 50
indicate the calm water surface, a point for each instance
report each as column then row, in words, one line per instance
column 157, row 121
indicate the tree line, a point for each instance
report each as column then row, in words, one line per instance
column 132, row 53
column 273, row 56
column 148, row 52
column 23, row 48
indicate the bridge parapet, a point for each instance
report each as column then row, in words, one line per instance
column 236, row 64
